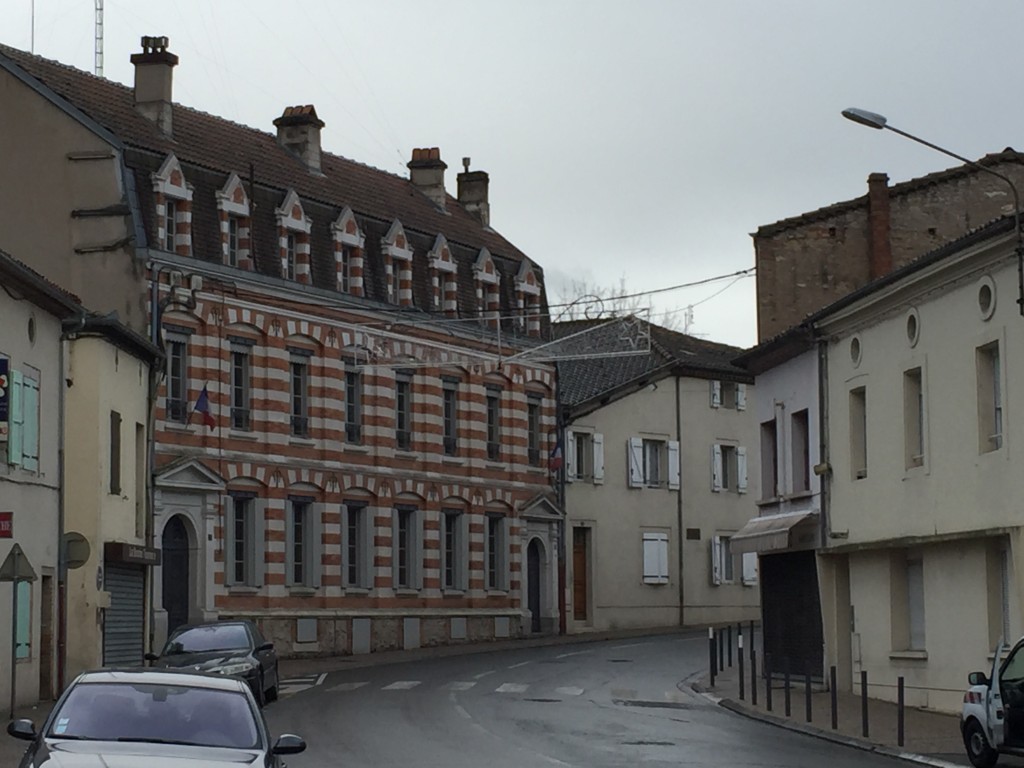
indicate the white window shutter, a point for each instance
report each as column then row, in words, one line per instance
column 650, row 559
column 673, row 465
column 716, row 468
column 634, row 453
column 598, row 458
column 663, row 558
column 741, row 397
column 16, row 417
column 716, row 560
column 750, row 568
column 569, row 449
column 741, row 469
column 716, row 394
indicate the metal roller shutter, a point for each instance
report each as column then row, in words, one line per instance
column 124, row 621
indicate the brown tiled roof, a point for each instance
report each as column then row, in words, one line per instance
column 221, row 145
column 1008, row 155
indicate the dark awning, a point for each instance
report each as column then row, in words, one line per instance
column 776, row 532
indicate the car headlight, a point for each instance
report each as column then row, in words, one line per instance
column 240, row 668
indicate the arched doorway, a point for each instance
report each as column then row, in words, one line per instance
column 533, row 582
column 175, row 573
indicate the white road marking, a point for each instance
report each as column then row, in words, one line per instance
column 574, row 653
column 320, row 680
column 630, row 645
column 520, row 664
column 347, row 686
column 484, row 674
column 460, row 685
column 401, row 685
column 511, row 688
column 569, row 690
column 463, row 713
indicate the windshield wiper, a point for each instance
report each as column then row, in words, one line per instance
column 152, row 740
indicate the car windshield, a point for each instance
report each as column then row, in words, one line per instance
column 230, row 637
column 154, row 713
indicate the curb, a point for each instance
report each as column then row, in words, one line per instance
column 810, row 730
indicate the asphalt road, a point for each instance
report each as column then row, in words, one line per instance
column 619, row 703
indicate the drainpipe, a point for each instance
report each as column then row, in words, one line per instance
column 150, row 533
column 679, row 508
column 825, row 477
column 563, row 549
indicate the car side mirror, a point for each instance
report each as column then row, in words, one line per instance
column 268, row 646
column 26, row 729
column 977, row 678
column 289, row 744
column 151, row 657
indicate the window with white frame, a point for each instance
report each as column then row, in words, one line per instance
column 302, row 561
column 403, row 410
column 580, row 464
column 533, row 429
column 653, row 463
column 450, row 396
column 176, row 400
column 232, row 241
column 906, row 582
column 655, row 546
column 244, row 540
column 859, row 433
column 728, row 394
column 913, row 419
column 496, row 553
column 23, row 420
column 800, row 439
column 406, row 548
column 290, row 256
column 299, row 395
column 241, row 385
column 493, row 404
column 353, row 404
column 990, row 398
column 769, row 460
column 358, row 545
column 723, row 567
column 170, row 223
column 454, row 550
column 345, row 268
column 728, row 468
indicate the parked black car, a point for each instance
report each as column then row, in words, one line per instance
column 122, row 717
column 233, row 648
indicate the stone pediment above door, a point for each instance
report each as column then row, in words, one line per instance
column 543, row 508
column 188, row 474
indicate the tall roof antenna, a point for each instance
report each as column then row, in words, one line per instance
column 98, row 50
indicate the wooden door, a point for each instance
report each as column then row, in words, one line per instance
column 579, row 574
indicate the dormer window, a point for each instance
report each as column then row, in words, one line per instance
column 488, row 282
column 528, row 299
column 235, row 223
column 397, row 265
column 348, row 253
column 293, row 232
column 444, row 278
column 173, row 208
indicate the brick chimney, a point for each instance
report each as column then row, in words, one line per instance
column 426, row 172
column 153, row 68
column 879, row 244
column 298, row 131
column 473, row 192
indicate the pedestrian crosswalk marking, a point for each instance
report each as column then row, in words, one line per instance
column 348, row 686
column 460, row 685
column 293, row 685
column 569, row 690
column 511, row 688
column 401, row 685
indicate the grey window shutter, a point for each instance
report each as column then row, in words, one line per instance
column 463, row 549
column 257, row 550
column 316, row 548
column 634, row 455
column 228, row 540
column 716, row 394
column 416, row 565
column 598, row 458
column 289, row 545
column 394, row 548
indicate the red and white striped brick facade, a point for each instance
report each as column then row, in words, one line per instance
column 291, row 220
column 169, row 184
column 233, row 203
column 444, row 278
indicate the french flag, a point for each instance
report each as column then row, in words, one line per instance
column 203, row 408
column 555, row 457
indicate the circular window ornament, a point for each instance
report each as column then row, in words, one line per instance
column 986, row 297
column 913, row 327
column 855, row 351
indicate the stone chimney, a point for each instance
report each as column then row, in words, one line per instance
column 426, row 172
column 153, row 68
column 473, row 192
column 879, row 244
column 298, row 131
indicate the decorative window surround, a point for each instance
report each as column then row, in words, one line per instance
column 169, row 184
column 292, row 219
column 233, row 203
column 488, row 282
column 443, row 276
column 395, row 248
column 346, row 234
column 528, row 298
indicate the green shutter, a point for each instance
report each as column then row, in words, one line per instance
column 16, row 430
column 23, row 630
column 30, row 415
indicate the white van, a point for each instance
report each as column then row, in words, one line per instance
column 992, row 719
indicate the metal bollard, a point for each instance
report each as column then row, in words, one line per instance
column 786, row 684
column 864, row 702
column 753, row 676
column 721, row 651
column 835, row 702
column 739, row 661
column 728, row 643
column 751, row 638
column 807, row 694
column 768, row 681
column 899, row 711
column 711, row 654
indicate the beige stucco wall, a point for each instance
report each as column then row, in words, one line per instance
column 950, row 510
column 38, row 144
column 34, row 498
column 105, row 378
column 618, row 515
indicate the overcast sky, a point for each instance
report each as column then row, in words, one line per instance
column 630, row 140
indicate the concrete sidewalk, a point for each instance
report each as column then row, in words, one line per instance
column 931, row 738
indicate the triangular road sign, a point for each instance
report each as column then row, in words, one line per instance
column 16, row 566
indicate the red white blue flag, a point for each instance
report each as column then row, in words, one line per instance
column 555, row 457
column 202, row 407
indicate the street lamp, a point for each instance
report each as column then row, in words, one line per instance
column 874, row 120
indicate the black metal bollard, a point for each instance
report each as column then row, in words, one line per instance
column 807, row 694
column 835, row 701
column 751, row 638
column 739, row 661
column 721, row 651
column 899, row 711
column 864, row 703
column 711, row 654
column 768, row 681
column 728, row 643
column 786, row 684
column 753, row 677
